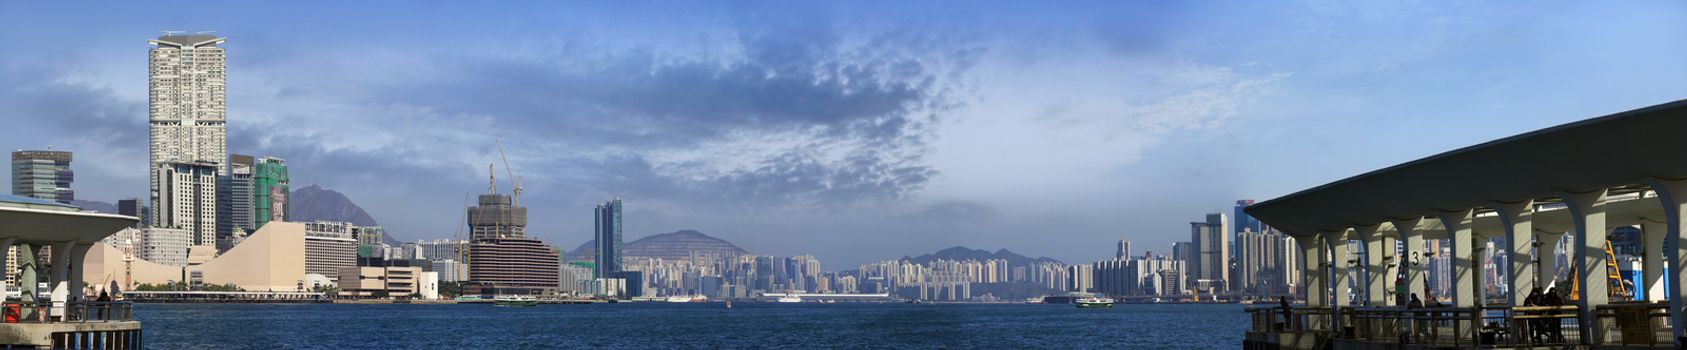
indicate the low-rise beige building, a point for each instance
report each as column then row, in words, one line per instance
column 366, row 281
column 271, row 259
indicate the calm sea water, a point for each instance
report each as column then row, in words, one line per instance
column 705, row 325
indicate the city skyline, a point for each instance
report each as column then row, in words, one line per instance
column 942, row 133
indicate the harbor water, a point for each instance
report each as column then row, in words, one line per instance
column 690, row 325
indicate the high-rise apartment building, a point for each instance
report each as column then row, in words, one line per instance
column 1209, row 267
column 167, row 246
column 184, row 197
column 269, row 192
column 234, row 201
column 1245, row 222
column 608, row 237
column 186, row 115
column 43, row 175
column 1124, row 251
column 1263, row 260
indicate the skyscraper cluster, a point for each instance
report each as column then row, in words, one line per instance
column 1225, row 257
column 202, row 198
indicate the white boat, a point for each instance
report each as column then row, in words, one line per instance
column 1086, row 303
column 790, row 299
column 687, row 299
column 515, row 300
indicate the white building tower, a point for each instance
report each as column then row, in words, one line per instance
column 187, row 98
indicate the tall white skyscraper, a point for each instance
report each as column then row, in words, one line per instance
column 188, row 107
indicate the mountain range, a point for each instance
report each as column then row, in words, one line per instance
column 964, row 253
column 667, row 246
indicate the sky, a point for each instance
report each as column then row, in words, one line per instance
column 852, row 131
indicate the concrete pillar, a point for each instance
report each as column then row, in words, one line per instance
column 1518, row 219
column 1375, row 263
column 4, row 244
column 59, row 277
column 1466, row 267
column 1653, row 241
column 78, row 258
column 1341, row 263
column 26, row 278
column 1412, row 260
column 1673, row 195
column 1312, row 249
column 1587, row 212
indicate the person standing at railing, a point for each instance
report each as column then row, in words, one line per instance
column 104, row 302
column 1420, row 327
column 1554, row 325
column 1534, row 328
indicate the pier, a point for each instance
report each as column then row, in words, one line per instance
column 1522, row 193
column 59, row 316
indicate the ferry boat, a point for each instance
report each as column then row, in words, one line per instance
column 688, row 299
column 1086, row 303
column 790, row 299
column 515, row 300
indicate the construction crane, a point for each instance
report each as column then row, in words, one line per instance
column 515, row 200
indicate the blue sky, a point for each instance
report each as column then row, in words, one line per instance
column 853, row 131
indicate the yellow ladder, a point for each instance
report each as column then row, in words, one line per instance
column 1614, row 276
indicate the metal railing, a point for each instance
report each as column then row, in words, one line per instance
column 1635, row 323
column 1270, row 319
column 1434, row 325
column 73, row 312
column 99, row 311
column 1532, row 325
column 1621, row 323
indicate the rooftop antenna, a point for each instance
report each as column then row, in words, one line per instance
column 515, row 181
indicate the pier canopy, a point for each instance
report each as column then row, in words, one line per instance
column 1605, row 152
column 42, row 221
column 1508, row 204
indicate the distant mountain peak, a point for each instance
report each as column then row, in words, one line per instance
column 316, row 203
column 667, row 246
column 964, row 253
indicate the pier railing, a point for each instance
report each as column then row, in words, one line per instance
column 1272, row 319
column 99, row 311
column 1622, row 323
column 74, row 312
column 1452, row 326
column 1635, row 323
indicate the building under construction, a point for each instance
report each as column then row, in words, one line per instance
column 496, row 217
column 502, row 259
